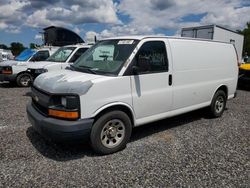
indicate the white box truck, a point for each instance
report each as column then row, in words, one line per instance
column 216, row 33
column 124, row 82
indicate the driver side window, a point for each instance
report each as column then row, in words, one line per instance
column 152, row 58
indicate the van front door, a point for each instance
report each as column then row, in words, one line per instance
column 151, row 83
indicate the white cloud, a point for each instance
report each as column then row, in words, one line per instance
column 68, row 13
column 145, row 16
column 169, row 14
column 10, row 15
column 38, row 36
column 73, row 14
column 90, row 36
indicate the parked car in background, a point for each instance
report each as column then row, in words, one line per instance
column 62, row 58
column 124, row 82
column 5, row 55
column 244, row 73
column 15, row 70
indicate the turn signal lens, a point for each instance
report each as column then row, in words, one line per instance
column 63, row 114
column 6, row 72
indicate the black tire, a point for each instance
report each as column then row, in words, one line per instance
column 218, row 104
column 24, row 80
column 98, row 131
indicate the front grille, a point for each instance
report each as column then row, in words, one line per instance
column 40, row 100
column 32, row 72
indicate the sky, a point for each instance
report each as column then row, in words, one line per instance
column 23, row 20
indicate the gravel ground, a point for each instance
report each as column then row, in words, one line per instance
column 190, row 150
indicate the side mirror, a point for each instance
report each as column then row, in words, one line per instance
column 135, row 70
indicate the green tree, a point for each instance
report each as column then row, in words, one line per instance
column 32, row 45
column 16, row 48
column 3, row 46
column 246, row 33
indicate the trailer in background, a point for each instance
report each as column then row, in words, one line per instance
column 217, row 33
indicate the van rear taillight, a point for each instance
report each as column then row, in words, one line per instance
column 6, row 71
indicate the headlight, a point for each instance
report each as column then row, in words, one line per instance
column 40, row 71
column 67, row 107
column 70, row 102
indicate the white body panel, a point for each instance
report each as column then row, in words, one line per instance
column 196, row 76
column 50, row 66
column 198, row 69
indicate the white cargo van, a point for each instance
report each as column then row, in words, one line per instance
column 124, row 82
column 61, row 59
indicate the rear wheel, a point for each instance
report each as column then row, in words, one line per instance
column 111, row 132
column 218, row 104
column 24, row 80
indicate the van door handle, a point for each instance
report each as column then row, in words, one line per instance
column 170, row 79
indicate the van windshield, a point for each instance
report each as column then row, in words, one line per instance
column 62, row 54
column 105, row 57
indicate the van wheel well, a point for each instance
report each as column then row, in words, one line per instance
column 117, row 107
column 223, row 88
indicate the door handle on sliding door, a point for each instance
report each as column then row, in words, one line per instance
column 170, row 79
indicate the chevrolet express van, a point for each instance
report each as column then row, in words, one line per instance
column 124, row 82
column 61, row 59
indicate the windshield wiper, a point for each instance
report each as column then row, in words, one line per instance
column 70, row 67
column 88, row 69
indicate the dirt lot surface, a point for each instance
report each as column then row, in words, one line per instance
column 188, row 150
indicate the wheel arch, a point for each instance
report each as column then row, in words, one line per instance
column 116, row 106
column 222, row 87
column 23, row 72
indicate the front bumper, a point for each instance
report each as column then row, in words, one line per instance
column 7, row 77
column 59, row 130
column 33, row 73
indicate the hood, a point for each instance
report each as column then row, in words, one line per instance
column 10, row 63
column 245, row 66
column 39, row 64
column 66, row 81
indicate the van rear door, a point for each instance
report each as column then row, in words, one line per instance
column 152, row 83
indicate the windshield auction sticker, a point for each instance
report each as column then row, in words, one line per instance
column 125, row 42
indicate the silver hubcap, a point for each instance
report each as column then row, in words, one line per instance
column 113, row 133
column 25, row 80
column 219, row 104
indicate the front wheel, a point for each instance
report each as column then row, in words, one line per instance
column 111, row 132
column 218, row 104
column 24, row 80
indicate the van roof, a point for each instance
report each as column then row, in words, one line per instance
column 79, row 45
column 57, row 47
column 141, row 37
